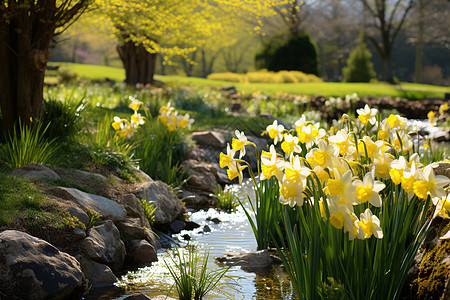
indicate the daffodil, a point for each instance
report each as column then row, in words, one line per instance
column 240, row 142
column 271, row 164
column 395, row 121
column 429, row 184
column 275, row 131
column 291, row 193
column 300, row 123
column 235, row 170
column 294, row 173
column 342, row 216
column 342, row 187
column 443, row 207
column 401, row 141
column 184, row 121
column 367, row 115
column 368, row 189
column 290, row 144
column 443, row 108
column 369, row 147
column 226, row 159
column 369, row 225
column 135, row 104
column 341, row 141
column 382, row 165
column 323, row 155
column 137, row 119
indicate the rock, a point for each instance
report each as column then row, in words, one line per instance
column 191, row 225
column 131, row 229
column 79, row 233
column 140, row 253
column 186, row 237
column 134, row 208
column 39, row 269
column 166, row 241
column 250, row 151
column 98, row 275
column 108, row 208
column 144, row 297
column 78, row 213
column 209, row 138
column 103, row 245
column 442, row 168
column 429, row 277
column 441, row 136
column 93, row 176
column 252, row 260
column 215, row 220
column 169, row 207
column 141, row 174
column 196, row 198
column 196, row 153
column 201, row 175
column 206, row 228
column 176, row 226
column 36, row 172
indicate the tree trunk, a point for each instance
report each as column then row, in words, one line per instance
column 23, row 59
column 139, row 64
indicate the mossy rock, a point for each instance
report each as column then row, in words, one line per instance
column 433, row 275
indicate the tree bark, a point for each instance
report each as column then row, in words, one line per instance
column 139, row 64
column 23, row 57
column 419, row 45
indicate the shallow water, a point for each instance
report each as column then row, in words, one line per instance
column 232, row 234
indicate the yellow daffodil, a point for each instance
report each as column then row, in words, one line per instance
column 271, row 164
column 367, row 115
column 226, row 159
column 290, row 144
column 294, row 173
column 443, row 108
column 135, row 104
column 395, row 121
column 341, row 141
column 429, row 184
column 240, row 142
column 300, row 123
column 291, row 193
column 382, row 165
column 323, row 155
column 369, row 225
column 368, row 189
column 275, row 132
column 342, row 187
column 372, row 148
column 235, row 170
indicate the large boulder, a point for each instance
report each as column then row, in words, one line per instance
column 209, row 138
column 201, row 175
column 141, row 253
column 108, row 208
column 169, row 207
column 36, row 172
column 38, row 269
column 104, row 245
column 98, row 275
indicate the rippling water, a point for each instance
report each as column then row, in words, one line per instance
column 232, row 234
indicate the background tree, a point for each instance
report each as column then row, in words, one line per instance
column 26, row 30
column 359, row 67
column 388, row 18
column 289, row 52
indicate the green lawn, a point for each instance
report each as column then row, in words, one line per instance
column 407, row 90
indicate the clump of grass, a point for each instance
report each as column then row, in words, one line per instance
column 226, row 200
column 19, row 199
column 28, row 145
column 189, row 270
column 62, row 117
column 160, row 152
column 149, row 210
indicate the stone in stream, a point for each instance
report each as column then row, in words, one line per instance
column 98, row 275
column 252, row 260
column 140, row 253
column 37, row 269
column 104, row 245
column 169, row 207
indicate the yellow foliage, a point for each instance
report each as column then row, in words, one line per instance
column 265, row 76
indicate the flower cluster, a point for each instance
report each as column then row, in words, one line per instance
column 125, row 127
column 351, row 170
column 170, row 117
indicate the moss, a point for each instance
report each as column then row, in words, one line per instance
column 433, row 273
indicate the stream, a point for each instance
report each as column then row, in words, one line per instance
column 232, row 234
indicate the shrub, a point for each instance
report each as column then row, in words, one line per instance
column 265, row 76
column 27, row 146
column 227, row 76
column 289, row 52
column 359, row 67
